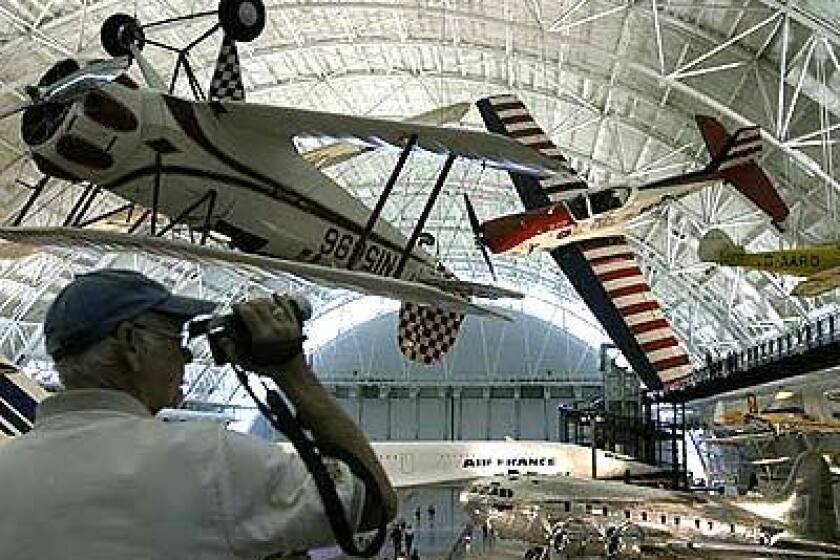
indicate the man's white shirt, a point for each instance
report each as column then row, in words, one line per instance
column 100, row 478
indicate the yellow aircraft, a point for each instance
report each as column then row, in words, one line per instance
column 819, row 264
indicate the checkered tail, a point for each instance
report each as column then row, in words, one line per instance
column 426, row 332
column 226, row 84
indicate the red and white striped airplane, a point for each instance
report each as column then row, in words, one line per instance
column 584, row 230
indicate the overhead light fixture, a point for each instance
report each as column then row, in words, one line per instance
column 784, row 394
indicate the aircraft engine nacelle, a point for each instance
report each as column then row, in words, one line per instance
column 519, row 525
column 624, row 542
column 83, row 139
column 576, row 538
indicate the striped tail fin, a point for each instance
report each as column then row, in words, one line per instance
column 506, row 114
column 733, row 159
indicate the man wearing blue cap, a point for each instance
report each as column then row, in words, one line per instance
column 99, row 477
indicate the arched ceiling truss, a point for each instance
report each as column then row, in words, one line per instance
column 615, row 83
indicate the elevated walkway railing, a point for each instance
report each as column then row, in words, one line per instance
column 812, row 347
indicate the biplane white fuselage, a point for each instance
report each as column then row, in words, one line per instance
column 267, row 198
column 232, row 168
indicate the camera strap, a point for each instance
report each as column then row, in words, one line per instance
column 277, row 412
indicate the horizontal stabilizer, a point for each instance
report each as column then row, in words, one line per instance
column 357, row 281
column 715, row 244
column 752, row 182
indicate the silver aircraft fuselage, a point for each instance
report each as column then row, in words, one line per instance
column 584, row 518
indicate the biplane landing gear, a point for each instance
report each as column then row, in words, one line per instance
column 242, row 20
column 118, row 33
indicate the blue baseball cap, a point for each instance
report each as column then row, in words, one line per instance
column 90, row 307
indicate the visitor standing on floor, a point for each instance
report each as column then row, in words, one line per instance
column 397, row 539
column 409, row 539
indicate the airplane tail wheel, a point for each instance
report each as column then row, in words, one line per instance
column 242, row 20
column 118, row 33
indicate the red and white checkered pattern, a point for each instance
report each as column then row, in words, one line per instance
column 614, row 263
column 226, row 84
column 522, row 127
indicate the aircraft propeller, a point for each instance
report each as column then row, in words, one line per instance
column 479, row 235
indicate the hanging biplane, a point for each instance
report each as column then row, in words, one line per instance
column 819, row 264
column 583, row 228
column 220, row 166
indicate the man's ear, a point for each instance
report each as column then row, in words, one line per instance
column 127, row 339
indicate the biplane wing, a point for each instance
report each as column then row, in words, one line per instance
column 357, row 281
column 603, row 270
column 339, row 152
column 493, row 149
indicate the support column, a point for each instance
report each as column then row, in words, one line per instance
column 486, row 394
column 546, row 414
column 414, row 395
column 356, row 392
column 517, row 412
column 458, row 408
column 385, row 394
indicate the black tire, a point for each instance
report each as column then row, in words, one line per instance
column 118, row 32
column 242, row 20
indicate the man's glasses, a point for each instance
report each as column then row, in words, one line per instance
column 186, row 353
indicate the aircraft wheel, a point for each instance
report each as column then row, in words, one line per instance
column 118, row 33
column 242, row 20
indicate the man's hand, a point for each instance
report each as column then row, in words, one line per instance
column 275, row 335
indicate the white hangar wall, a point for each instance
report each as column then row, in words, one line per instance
column 501, row 380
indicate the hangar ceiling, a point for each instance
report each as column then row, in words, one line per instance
column 615, row 83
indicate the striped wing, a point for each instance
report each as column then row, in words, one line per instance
column 603, row 271
column 614, row 265
column 19, row 396
column 518, row 123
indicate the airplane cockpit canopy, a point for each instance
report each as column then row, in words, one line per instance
column 583, row 206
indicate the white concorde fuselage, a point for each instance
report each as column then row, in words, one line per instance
column 425, row 463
